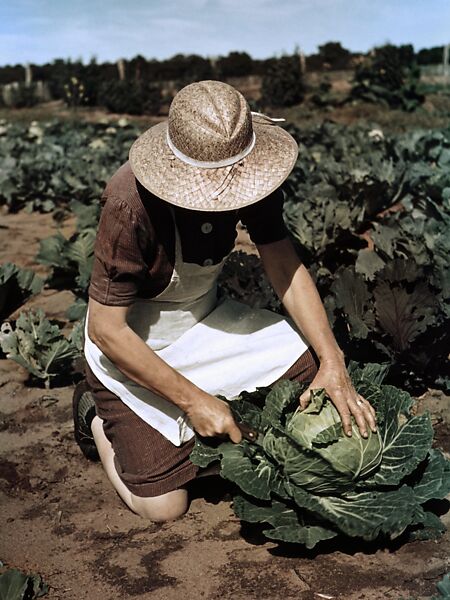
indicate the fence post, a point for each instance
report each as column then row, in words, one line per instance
column 445, row 63
column 28, row 75
column 302, row 61
column 121, row 69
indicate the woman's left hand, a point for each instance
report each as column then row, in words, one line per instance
column 334, row 378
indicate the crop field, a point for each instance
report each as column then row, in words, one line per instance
column 367, row 207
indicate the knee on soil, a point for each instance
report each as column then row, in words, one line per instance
column 158, row 509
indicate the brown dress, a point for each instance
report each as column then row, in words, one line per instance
column 134, row 258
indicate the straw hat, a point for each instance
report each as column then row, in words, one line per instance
column 213, row 154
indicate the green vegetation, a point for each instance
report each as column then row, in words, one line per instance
column 389, row 75
column 40, row 346
column 132, row 97
column 370, row 216
column 308, row 482
column 386, row 75
column 16, row 286
column 45, row 165
column 368, row 212
column 443, row 588
column 283, row 85
column 15, row 585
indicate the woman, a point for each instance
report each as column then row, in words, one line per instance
column 159, row 347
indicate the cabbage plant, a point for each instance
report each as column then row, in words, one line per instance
column 315, row 453
column 309, row 482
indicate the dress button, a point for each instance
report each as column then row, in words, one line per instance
column 206, row 228
column 207, row 262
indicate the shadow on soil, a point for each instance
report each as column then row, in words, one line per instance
column 214, row 489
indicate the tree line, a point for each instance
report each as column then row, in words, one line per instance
column 330, row 56
column 140, row 85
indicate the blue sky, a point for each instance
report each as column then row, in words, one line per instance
column 42, row 30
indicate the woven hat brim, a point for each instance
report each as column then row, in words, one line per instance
column 226, row 188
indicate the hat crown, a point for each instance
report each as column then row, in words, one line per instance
column 210, row 121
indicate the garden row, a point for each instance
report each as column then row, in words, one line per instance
column 368, row 213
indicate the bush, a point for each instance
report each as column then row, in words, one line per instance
column 236, row 64
column 430, row 56
column 389, row 76
column 19, row 95
column 132, row 97
column 334, row 55
column 74, row 93
column 282, row 85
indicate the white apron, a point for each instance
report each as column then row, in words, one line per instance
column 222, row 348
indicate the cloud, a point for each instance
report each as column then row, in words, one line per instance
column 41, row 30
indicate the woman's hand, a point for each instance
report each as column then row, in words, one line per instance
column 211, row 417
column 334, row 378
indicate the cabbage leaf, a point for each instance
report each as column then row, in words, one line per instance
column 308, row 482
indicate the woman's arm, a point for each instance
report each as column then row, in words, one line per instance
column 108, row 329
column 297, row 291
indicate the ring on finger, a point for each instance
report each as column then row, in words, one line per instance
column 359, row 402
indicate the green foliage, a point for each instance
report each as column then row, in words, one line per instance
column 235, row 64
column 282, row 84
column 46, row 165
column 443, row 588
column 74, row 93
column 309, row 482
column 389, row 76
column 16, row 286
column 368, row 213
column 430, row 56
column 15, row 585
column 38, row 345
column 132, row 97
column 334, row 56
column 20, row 95
column 186, row 68
column 323, row 96
column 243, row 278
column 388, row 300
column 71, row 259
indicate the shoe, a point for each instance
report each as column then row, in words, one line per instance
column 83, row 407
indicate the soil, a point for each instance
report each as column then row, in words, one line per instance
column 60, row 518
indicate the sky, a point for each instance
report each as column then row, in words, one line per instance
column 39, row 31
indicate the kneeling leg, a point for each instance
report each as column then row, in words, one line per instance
column 166, row 507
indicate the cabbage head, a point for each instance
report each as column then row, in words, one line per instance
column 317, row 455
column 308, row 482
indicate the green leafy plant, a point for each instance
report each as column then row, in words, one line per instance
column 443, row 588
column 395, row 316
column 74, row 93
column 244, row 279
column 15, row 585
column 308, row 482
column 389, row 76
column 132, row 97
column 16, row 286
column 369, row 216
column 45, row 166
column 71, row 259
column 282, row 84
column 38, row 345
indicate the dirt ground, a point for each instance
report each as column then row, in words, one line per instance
column 60, row 518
